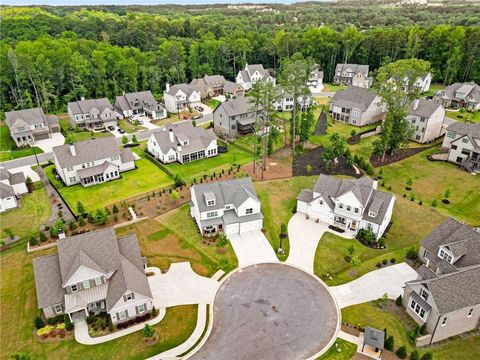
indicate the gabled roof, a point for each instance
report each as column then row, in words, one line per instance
column 28, row 116
column 237, row 106
column 251, row 68
column 86, row 106
column 83, row 260
column 198, row 137
column 48, row 280
column 374, row 337
column 186, row 88
column 461, row 91
column 354, row 97
column 13, row 178
column 355, row 68
column 470, row 130
column 137, row 101
column 425, row 108
column 6, row 191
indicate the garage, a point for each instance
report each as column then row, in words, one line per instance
column 41, row 136
column 232, row 228
column 251, row 225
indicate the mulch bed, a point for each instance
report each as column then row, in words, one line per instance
column 312, row 158
column 401, row 154
column 321, row 128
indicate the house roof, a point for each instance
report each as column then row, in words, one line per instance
column 100, row 251
column 237, row 106
column 13, row 178
column 461, row 91
column 137, row 101
column 471, row 130
column 230, row 87
column 29, row 116
column 86, row 106
column 202, row 84
column 251, row 68
column 354, row 97
column 186, row 88
column 234, row 192
column 425, row 108
column 356, row 68
column 374, row 337
column 199, row 138
column 93, row 170
column 6, row 191
column 86, row 151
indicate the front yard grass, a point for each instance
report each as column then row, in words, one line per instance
column 368, row 315
column 165, row 240
column 340, row 350
column 34, row 210
column 333, row 87
column 462, row 116
column 7, row 144
column 79, row 135
column 19, row 308
column 212, row 103
column 146, row 177
column 129, row 127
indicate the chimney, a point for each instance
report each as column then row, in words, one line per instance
column 170, row 135
column 415, row 104
column 82, row 98
column 167, row 87
column 375, row 184
column 72, row 150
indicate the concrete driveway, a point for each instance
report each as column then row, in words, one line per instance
column 180, row 285
column 47, row 145
column 374, row 284
column 252, row 247
column 304, row 236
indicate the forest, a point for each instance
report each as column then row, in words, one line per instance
column 52, row 55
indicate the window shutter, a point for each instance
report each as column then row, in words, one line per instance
column 136, row 309
column 124, row 298
column 126, row 313
column 118, row 317
column 133, row 296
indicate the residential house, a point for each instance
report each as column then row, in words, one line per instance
column 93, row 273
column 230, row 206
column 92, row 114
column 15, row 180
column 426, row 117
column 8, row 198
column 216, row 85
column 459, row 95
column 446, row 294
column 92, row 162
column 315, row 82
column 284, row 101
column 251, row 74
column 357, row 106
column 180, row 97
column 235, row 117
column 463, row 144
column 183, row 143
column 423, row 82
column 29, row 125
column 141, row 103
column 349, row 204
column 352, row 74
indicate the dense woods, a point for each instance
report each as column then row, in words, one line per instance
column 52, row 55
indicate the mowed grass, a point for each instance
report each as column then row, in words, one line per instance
column 462, row 116
column 19, row 309
column 129, row 127
column 146, row 177
column 7, row 144
column 79, row 135
column 34, row 210
column 333, row 87
column 165, row 240
column 340, row 350
column 465, row 347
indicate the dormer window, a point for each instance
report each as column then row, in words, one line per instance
column 424, row 294
column 340, row 205
column 211, row 202
column 209, row 198
column 445, row 255
column 185, row 142
column 74, row 288
column 129, row 297
column 86, row 284
column 372, row 214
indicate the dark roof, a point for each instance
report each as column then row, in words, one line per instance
column 237, row 106
column 29, row 116
column 374, row 337
column 136, row 101
column 199, row 138
column 461, row 91
column 354, row 97
column 425, row 108
column 48, row 280
column 6, row 191
column 85, row 106
column 356, row 68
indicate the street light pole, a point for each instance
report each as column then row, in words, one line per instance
column 34, row 151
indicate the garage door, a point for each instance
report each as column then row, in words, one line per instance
column 231, row 229
column 250, row 226
column 41, row 136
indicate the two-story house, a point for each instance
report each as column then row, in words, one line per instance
column 8, row 198
column 92, row 114
column 235, row 117
column 352, row 74
column 182, row 143
column 426, row 117
column 92, row 162
column 180, row 97
column 357, row 106
column 446, row 294
column 315, row 81
column 462, row 141
column 251, row 74
column 29, row 125
column 230, row 206
column 141, row 103
column 349, row 204
column 15, row 180
column 285, row 100
column 216, row 85
column 92, row 273
column 459, row 95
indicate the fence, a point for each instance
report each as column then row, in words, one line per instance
column 158, row 164
column 234, row 144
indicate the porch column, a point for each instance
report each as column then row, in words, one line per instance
column 70, row 317
column 86, row 312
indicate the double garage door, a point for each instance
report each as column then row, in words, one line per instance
column 237, row 228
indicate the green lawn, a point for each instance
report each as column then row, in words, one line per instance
column 34, row 210
column 397, row 325
column 340, row 350
column 462, row 116
column 80, row 135
column 333, row 87
column 7, row 144
column 145, row 178
column 196, row 169
column 434, row 87
column 212, row 103
column 19, row 308
column 129, row 127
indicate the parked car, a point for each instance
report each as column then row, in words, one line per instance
column 198, row 108
column 196, row 117
column 111, row 128
column 140, row 122
column 120, row 130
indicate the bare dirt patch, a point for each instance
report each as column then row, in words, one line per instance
column 279, row 166
column 399, row 155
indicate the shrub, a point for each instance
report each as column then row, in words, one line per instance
column 68, row 323
column 393, row 260
column 90, row 319
column 51, row 321
column 412, row 254
column 384, row 261
column 57, row 228
column 115, row 209
column 80, row 208
column 414, row 355
column 404, row 195
column 154, row 311
column 81, row 221
column 402, row 352
column 423, row 330
column 434, row 203
column 366, row 236
column 379, row 264
column 420, row 203
column 39, row 323
column 148, row 331
column 427, row 356
column 43, row 237
column 389, row 343
column 72, row 225
column 33, row 241
column 369, row 169
column 398, row 300
column 381, row 241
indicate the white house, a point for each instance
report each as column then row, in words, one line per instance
column 181, row 96
column 284, row 101
column 92, row 114
column 315, row 82
column 8, row 199
column 357, row 106
column 463, row 144
column 230, row 206
column 251, row 74
column 182, row 143
column 92, row 162
column 349, row 204
column 92, row 273
column 15, row 180
column 426, row 117
column 141, row 103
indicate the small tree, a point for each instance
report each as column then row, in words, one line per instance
column 434, row 203
column 308, row 168
column 351, row 250
column 174, row 196
column 423, row 329
column 414, row 355
column 57, row 228
column 402, row 352
column 29, row 184
column 124, row 139
column 398, row 300
column 148, row 331
column 389, row 343
column 80, row 208
column 43, row 237
column 194, row 123
column 68, row 322
column 355, row 262
column 39, row 323
column 410, row 182
column 115, row 209
column 412, row 254
column 100, row 217
column 427, row 356
column 134, row 139
column 353, row 133
column 33, row 240
column 447, row 194
column 154, row 312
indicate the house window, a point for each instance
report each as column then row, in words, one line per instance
column 86, row 284
column 372, row 214
column 444, row 321
column 249, row 211
column 122, row 315
column 321, row 202
column 369, row 226
column 340, row 206
column 470, row 312
column 423, row 294
column 349, row 208
column 74, row 288
column 98, row 281
column 212, row 214
column 445, row 256
column 451, row 134
column 57, row 308
column 356, row 210
column 129, row 297
column 141, row 308
column 426, row 253
column 210, row 202
column 454, row 147
column 465, row 140
column 417, row 309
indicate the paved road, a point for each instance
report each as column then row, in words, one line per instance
column 270, row 311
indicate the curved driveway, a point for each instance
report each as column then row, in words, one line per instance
column 271, row 311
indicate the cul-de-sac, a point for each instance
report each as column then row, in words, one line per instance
column 240, row 180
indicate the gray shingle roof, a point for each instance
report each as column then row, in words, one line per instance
column 48, row 280
column 356, row 68
column 199, row 138
column 374, row 337
column 460, row 91
column 85, row 106
column 29, row 116
column 93, row 170
column 13, row 178
column 251, row 68
column 6, row 191
column 354, row 97
column 88, row 150
column 425, row 108
column 186, row 88
column 238, row 106
column 137, row 101
column 472, row 130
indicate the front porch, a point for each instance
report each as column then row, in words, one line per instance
column 346, row 223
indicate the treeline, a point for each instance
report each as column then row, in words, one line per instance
column 49, row 56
